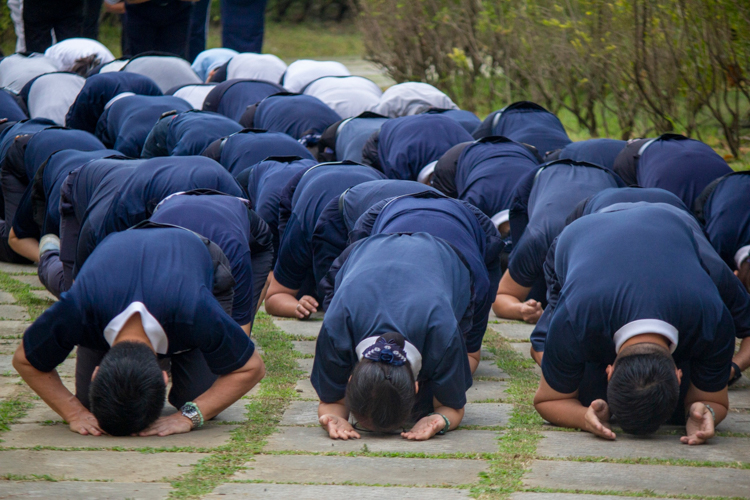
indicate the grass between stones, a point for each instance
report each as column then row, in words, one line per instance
column 22, row 293
column 10, row 411
column 518, row 442
column 263, row 415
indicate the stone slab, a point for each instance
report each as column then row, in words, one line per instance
column 489, row 369
column 659, row 479
column 237, row 491
column 735, row 422
column 31, row 435
column 6, row 363
column 127, row 466
column 8, row 267
column 315, row 439
column 10, row 388
column 309, row 328
column 568, row 496
column 305, row 365
column 483, row 390
column 306, row 347
column 584, row 444
column 13, row 328
column 76, row 490
column 7, row 298
column 44, row 294
column 66, row 369
column 13, row 312
column 739, row 399
column 522, row 348
column 9, row 346
column 483, row 414
column 31, row 280
column 305, row 390
column 362, row 470
column 515, row 330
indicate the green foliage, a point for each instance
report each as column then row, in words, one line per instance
column 618, row 67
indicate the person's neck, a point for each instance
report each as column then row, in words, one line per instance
column 133, row 331
column 647, row 338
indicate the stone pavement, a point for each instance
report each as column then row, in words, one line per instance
column 41, row 458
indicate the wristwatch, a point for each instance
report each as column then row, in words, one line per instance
column 191, row 411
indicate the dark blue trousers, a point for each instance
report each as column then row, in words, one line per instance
column 242, row 23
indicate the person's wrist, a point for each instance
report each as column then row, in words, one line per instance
column 445, row 421
column 737, row 373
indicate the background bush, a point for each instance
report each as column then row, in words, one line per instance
column 620, row 67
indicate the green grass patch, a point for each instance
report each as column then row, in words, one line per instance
column 22, row 293
column 263, row 415
column 517, row 445
column 10, row 411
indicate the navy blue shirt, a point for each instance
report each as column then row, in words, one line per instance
column 487, row 173
column 352, row 134
column 232, row 97
column 147, row 184
column 315, row 189
column 600, row 152
column 51, row 140
column 192, row 131
column 408, row 144
column 727, row 216
column 680, row 165
column 25, row 127
column 125, row 125
column 331, row 233
column 9, row 108
column 468, row 120
column 609, row 269
column 39, row 210
column 294, row 115
column 414, row 284
column 544, row 199
column 264, row 183
column 225, row 220
column 466, row 229
column 242, row 150
column 170, row 271
column 526, row 122
column 97, row 92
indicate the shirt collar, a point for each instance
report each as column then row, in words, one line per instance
column 151, row 326
column 641, row 326
column 412, row 354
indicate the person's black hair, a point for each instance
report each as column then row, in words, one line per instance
column 83, row 65
column 643, row 391
column 127, row 393
column 379, row 395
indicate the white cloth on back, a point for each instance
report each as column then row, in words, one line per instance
column 304, row 71
column 66, row 52
column 51, row 96
column 346, row 95
column 251, row 66
column 195, row 94
column 17, row 70
column 167, row 72
column 412, row 98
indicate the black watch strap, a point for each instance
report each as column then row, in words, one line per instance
column 737, row 373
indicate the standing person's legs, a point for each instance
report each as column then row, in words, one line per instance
column 140, row 30
column 92, row 12
column 86, row 362
column 68, row 20
column 191, row 377
column 198, row 28
column 243, row 24
column 37, row 25
column 173, row 35
column 16, row 14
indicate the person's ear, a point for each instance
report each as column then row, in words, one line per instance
column 610, row 370
column 166, row 376
column 679, row 375
column 96, row 370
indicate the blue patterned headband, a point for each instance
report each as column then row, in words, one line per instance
column 385, row 351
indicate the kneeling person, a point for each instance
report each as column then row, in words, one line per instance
column 625, row 341
column 143, row 294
